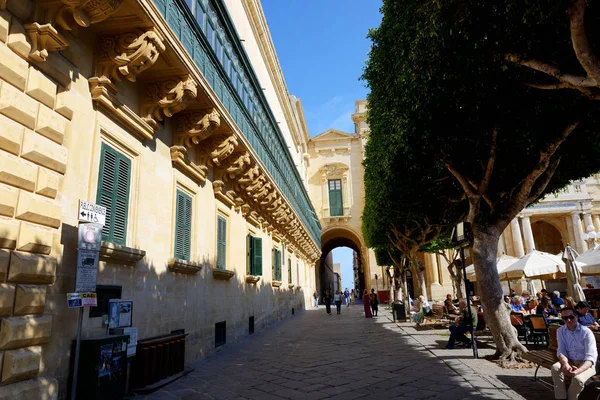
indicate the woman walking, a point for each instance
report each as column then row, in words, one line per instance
column 337, row 298
column 327, row 301
column 367, row 304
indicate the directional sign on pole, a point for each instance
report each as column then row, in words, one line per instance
column 90, row 212
column 87, row 271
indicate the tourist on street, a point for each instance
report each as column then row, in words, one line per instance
column 584, row 317
column 337, row 299
column 316, row 299
column 577, row 355
column 557, row 302
column 462, row 325
column 517, row 305
column 546, row 308
column 374, row 302
column 532, row 305
column 327, row 301
column 569, row 302
column 539, row 296
column 525, row 296
column 420, row 308
column 347, row 297
column 367, row 304
column 450, row 307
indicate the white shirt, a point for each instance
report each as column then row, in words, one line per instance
column 579, row 344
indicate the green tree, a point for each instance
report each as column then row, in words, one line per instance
column 443, row 247
column 448, row 89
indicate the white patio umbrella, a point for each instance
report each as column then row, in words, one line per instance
column 502, row 263
column 589, row 261
column 531, row 289
column 536, row 264
column 573, row 274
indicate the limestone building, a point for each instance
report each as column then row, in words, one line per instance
column 174, row 114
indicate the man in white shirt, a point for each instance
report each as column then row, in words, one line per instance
column 577, row 355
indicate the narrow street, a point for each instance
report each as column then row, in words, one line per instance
column 316, row 356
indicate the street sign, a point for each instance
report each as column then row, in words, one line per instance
column 74, row 300
column 90, row 236
column 90, row 212
column 87, row 271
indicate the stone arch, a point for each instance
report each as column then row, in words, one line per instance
column 341, row 236
column 547, row 237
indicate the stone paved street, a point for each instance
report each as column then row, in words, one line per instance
column 315, row 356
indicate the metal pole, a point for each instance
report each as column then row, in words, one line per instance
column 77, row 346
column 464, row 268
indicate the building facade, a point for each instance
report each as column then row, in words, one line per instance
column 175, row 116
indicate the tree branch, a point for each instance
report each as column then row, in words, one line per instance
column 543, row 181
column 582, row 48
column 487, row 173
column 464, row 182
column 549, row 86
column 574, row 81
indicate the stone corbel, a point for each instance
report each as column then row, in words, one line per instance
column 221, row 147
column 221, row 194
column 275, row 205
column 245, row 209
column 238, row 166
column 165, row 98
column 262, row 192
column 249, row 176
column 196, row 127
column 269, row 199
column 129, row 54
column 44, row 39
column 258, row 183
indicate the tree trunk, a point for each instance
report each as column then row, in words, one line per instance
column 458, row 281
column 485, row 248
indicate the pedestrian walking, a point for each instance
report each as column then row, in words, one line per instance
column 347, row 297
column 316, row 299
column 327, row 301
column 337, row 298
column 374, row 302
column 367, row 304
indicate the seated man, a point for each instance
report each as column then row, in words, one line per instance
column 557, row 302
column 577, row 355
column 584, row 316
column 517, row 305
column 450, row 307
column 462, row 324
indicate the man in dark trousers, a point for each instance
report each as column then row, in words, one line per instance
column 374, row 302
column 327, row 301
column 463, row 324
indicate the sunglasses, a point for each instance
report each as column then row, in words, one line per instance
column 568, row 317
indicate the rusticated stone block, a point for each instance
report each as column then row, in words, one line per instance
column 17, row 37
column 13, row 69
column 66, row 102
column 21, row 364
column 39, row 210
column 31, row 268
column 5, row 17
column 44, row 151
column 51, row 124
column 30, row 299
column 33, row 389
column 16, row 332
column 35, row 238
column 9, row 230
column 4, row 260
column 7, row 299
column 47, row 183
column 11, row 134
column 8, row 200
column 41, row 88
column 17, row 172
column 17, row 106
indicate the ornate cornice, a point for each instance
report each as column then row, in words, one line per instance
column 165, row 98
column 195, row 127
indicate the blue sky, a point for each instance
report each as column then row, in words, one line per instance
column 322, row 48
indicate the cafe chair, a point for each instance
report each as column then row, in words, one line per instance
column 538, row 329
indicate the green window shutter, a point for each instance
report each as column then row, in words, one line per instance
column 183, row 226
column 289, row 271
column 113, row 193
column 249, row 259
column 336, row 207
column 256, row 255
column 221, row 242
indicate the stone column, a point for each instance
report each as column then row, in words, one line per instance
column 529, row 242
column 587, row 221
column 597, row 222
column 517, row 241
column 501, row 246
column 580, row 245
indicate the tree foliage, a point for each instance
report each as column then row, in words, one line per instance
column 497, row 98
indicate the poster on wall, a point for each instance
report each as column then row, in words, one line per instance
column 105, row 360
column 119, row 313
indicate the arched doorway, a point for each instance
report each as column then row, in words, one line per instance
column 547, row 238
column 341, row 237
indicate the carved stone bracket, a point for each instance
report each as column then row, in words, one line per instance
column 219, row 148
column 44, row 39
column 181, row 162
column 252, row 278
column 129, row 54
column 165, row 98
column 196, row 127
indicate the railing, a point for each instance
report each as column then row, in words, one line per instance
column 158, row 358
column 228, row 70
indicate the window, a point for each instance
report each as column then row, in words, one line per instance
column 221, row 242
column 254, row 255
column 289, row 271
column 336, row 207
column 183, row 226
column 220, row 333
column 276, row 265
column 113, row 193
column 201, row 16
column 104, row 293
